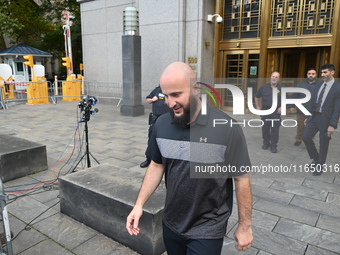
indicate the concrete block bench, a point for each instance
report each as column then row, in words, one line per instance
column 20, row 157
column 101, row 197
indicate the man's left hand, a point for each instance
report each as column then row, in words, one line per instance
column 279, row 110
column 244, row 238
column 330, row 131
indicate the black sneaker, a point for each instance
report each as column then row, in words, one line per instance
column 265, row 146
column 297, row 143
column 273, row 149
column 317, row 173
column 144, row 164
column 316, row 167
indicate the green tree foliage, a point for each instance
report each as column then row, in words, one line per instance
column 39, row 24
column 54, row 40
column 7, row 22
column 24, row 21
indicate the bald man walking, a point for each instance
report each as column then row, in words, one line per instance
column 271, row 122
column 196, row 209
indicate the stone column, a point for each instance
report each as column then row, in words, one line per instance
column 132, row 76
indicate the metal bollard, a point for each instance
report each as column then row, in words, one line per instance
column 2, row 105
column 5, row 221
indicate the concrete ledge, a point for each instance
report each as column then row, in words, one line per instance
column 20, row 157
column 132, row 110
column 101, row 197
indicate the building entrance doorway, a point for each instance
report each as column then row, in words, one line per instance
column 240, row 68
column 294, row 63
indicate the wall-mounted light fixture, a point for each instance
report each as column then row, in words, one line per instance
column 218, row 19
column 131, row 23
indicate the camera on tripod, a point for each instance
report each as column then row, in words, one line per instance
column 86, row 107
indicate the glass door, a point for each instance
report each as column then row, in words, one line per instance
column 240, row 68
column 233, row 73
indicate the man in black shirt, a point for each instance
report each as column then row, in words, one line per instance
column 156, row 98
column 196, row 209
column 271, row 122
column 309, row 84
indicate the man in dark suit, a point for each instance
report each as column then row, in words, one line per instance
column 325, row 110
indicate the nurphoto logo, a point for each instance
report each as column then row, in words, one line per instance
column 238, row 100
column 204, row 96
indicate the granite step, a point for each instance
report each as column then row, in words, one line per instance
column 101, row 197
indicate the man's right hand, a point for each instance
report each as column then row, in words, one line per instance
column 152, row 179
column 132, row 220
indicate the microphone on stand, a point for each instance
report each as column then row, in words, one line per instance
column 94, row 111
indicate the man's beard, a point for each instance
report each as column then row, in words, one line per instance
column 311, row 79
column 188, row 111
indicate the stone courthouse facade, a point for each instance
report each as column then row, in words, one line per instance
column 255, row 38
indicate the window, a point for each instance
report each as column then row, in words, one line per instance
column 241, row 19
column 19, row 68
column 301, row 17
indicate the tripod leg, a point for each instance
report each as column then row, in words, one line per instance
column 86, row 118
column 94, row 158
column 74, row 168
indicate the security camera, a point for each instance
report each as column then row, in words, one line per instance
column 219, row 19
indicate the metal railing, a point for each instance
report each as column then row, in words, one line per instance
column 47, row 92
column 37, row 92
column 3, row 104
column 104, row 89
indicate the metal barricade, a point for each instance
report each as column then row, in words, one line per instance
column 67, row 90
column 41, row 92
column 104, row 89
column 3, row 104
column 37, row 92
column 8, row 249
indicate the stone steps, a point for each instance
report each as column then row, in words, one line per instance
column 101, row 197
column 20, row 157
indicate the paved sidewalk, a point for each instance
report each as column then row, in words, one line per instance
column 293, row 214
